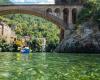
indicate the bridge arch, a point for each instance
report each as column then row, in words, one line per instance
column 49, row 11
column 74, row 15
column 43, row 14
column 57, row 12
column 65, row 15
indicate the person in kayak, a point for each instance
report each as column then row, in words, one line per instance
column 25, row 53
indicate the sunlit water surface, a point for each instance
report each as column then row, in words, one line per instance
column 49, row 66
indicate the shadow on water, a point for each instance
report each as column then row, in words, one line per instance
column 48, row 66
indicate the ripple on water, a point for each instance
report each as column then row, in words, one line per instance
column 51, row 67
column 5, row 74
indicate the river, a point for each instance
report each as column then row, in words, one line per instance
column 49, row 66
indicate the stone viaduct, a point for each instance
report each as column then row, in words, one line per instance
column 64, row 16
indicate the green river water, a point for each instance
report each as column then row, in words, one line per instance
column 49, row 66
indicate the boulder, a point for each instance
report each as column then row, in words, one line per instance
column 84, row 40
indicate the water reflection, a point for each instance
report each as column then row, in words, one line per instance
column 42, row 66
column 12, row 69
column 24, row 57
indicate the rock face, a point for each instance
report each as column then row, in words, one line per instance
column 84, row 39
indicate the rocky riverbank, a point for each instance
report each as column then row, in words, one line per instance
column 86, row 38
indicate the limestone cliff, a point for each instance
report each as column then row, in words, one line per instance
column 86, row 38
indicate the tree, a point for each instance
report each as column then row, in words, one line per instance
column 36, row 27
column 90, row 12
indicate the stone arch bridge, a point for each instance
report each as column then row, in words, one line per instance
column 64, row 16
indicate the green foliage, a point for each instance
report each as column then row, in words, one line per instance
column 96, row 17
column 36, row 45
column 91, row 11
column 5, row 47
column 36, row 27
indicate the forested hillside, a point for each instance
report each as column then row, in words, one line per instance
column 28, row 25
column 36, row 27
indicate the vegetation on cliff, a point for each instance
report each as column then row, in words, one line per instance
column 86, row 36
column 36, row 27
column 90, row 12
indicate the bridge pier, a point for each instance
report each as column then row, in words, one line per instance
column 61, row 34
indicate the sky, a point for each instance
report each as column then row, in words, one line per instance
column 33, row 1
